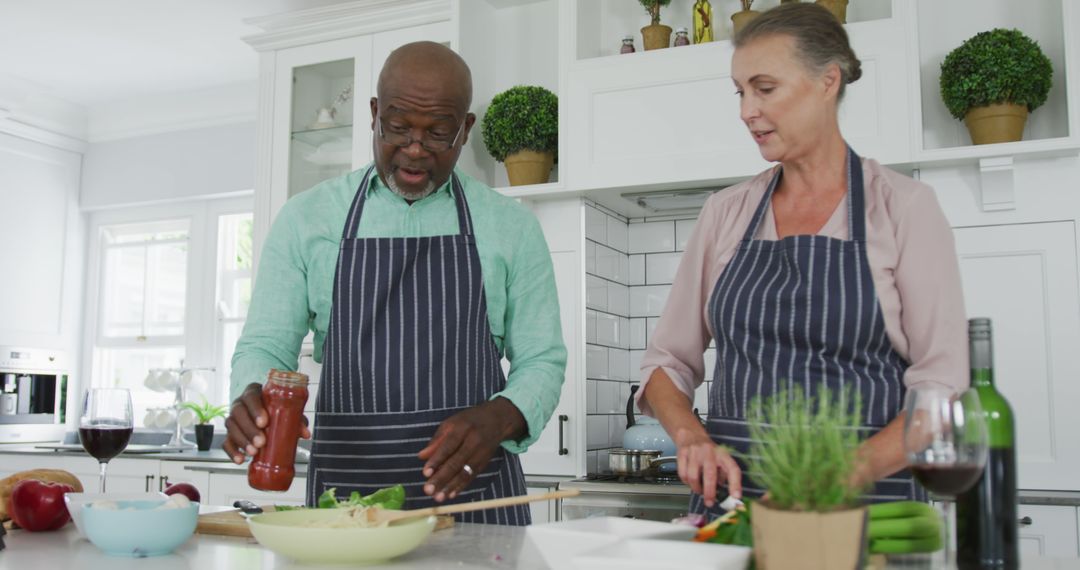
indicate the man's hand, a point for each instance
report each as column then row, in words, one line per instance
column 469, row 438
column 246, row 422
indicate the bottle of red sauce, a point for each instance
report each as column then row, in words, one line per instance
column 284, row 396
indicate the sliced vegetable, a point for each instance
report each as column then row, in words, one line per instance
column 732, row 528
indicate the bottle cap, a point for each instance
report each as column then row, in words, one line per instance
column 979, row 327
column 681, row 31
column 628, row 37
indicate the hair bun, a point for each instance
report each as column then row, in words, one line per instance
column 855, row 71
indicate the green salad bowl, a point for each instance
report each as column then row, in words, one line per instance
column 290, row 534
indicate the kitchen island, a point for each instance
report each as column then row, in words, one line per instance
column 462, row 547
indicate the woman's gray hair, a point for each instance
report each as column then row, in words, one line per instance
column 820, row 39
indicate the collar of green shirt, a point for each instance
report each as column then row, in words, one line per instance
column 376, row 186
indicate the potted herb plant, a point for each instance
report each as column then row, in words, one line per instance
column 205, row 413
column 521, row 129
column 655, row 35
column 804, row 453
column 992, row 81
column 742, row 17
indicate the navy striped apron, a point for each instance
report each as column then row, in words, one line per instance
column 803, row 311
column 408, row 346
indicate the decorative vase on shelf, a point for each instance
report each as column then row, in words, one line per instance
column 837, row 7
column 529, row 167
column 681, row 38
column 324, row 119
column 627, row 45
column 741, row 19
column 655, row 35
column 703, row 22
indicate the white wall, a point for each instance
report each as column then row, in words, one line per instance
column 169, row 166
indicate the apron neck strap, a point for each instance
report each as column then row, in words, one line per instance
column 352, row 221
column 855, row 202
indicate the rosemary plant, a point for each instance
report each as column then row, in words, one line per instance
column 804, row 449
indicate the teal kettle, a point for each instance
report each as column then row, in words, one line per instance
column 647, row 434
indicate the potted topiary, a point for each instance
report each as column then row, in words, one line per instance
column 804, row 453
column 992, row 81
column 655, row 35
column 742, row 17
column 837, row 7
column 204, row 430
column 521, row 129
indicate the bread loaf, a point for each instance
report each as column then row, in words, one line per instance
column 55, row 475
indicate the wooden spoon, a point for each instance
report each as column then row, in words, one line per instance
column 377, row 515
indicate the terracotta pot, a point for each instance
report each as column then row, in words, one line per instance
column 999, row 123
column 837, row 7
column 529, row 167
column 741, row 19
column 656, row 36
column 808, row 540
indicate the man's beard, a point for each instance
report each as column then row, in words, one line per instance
column 411, row 196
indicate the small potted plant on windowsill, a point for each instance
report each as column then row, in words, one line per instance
column 804, row 453
column 992, row 81
column 205, row 413
column 521, row 129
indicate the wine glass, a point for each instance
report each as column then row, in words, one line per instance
column 106, row 425
column 945, row 441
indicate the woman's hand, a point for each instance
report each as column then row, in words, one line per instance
column 703, row 465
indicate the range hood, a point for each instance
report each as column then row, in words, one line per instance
column 671, row 201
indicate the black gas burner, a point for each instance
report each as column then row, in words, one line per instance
column 656, row 478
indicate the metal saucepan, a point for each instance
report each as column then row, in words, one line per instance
column 635, row 462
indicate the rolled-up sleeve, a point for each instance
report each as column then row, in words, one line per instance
column 533, row 342
column 927, row 275
column 278, row 317
column 682, row 334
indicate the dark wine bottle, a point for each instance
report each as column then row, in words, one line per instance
column 986, row 517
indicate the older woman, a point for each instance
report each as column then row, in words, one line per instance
column 826, row 270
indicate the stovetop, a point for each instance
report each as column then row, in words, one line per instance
column 658, row 478
column 608, row 483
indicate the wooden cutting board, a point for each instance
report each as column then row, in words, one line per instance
column 232, row 523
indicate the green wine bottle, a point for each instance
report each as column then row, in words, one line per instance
column 986, row 517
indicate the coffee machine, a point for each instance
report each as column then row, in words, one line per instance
column 33, row 394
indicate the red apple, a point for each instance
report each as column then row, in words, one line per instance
column 39, row 505
column 186, row 489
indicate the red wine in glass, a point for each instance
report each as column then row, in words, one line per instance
column 947, row 479
column 105, row 440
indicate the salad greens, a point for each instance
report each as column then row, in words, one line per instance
column 392, row 498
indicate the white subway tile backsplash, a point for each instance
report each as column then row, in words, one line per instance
column 650, row 327
column 590, row 258
column 616, row 234
column 683, row 229
column 597, row 431
column 624, row 395
column 590, row 463
column 637, row 269
column 710, row 363
column 607, row 396
column 590, row 326
column 619, row 364
column 624, row 269
column 608, row 265
column 635, row 365
column 701, row 396
column 648, row 301
column 591, row 398
column 596, row 293
column 596, row 361
column 660, row 268
column 595, row 225
column 649, row 237
column 618, row 299
column 624, row 330
column 617, row 429
column 602, row 461
column 638, row 338
column 608, row 330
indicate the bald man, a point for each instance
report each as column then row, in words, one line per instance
column 416, row 280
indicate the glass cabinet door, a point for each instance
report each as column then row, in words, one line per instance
column 321, row 126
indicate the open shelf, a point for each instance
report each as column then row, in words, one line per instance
column 317, row 137
column 942, row 27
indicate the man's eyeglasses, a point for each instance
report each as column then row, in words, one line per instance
column 431, row 142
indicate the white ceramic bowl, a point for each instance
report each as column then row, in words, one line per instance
column 75, row 502
column 559, row 542
column 645, row 554
column 286, row 533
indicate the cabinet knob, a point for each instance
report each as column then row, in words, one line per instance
column 1024, row 521
column 563, row 418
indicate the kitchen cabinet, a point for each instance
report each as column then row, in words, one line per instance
column 1048, row 531
column 40, row 243
column 125, row 475
column 316, row 61
column 1024, row 277
column 225, row 488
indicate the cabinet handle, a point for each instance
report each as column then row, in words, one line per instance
column 563, row 418
column 1024, row 521
column 163, row 482
column 149, row 481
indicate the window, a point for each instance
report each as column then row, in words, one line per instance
column 172, row 289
